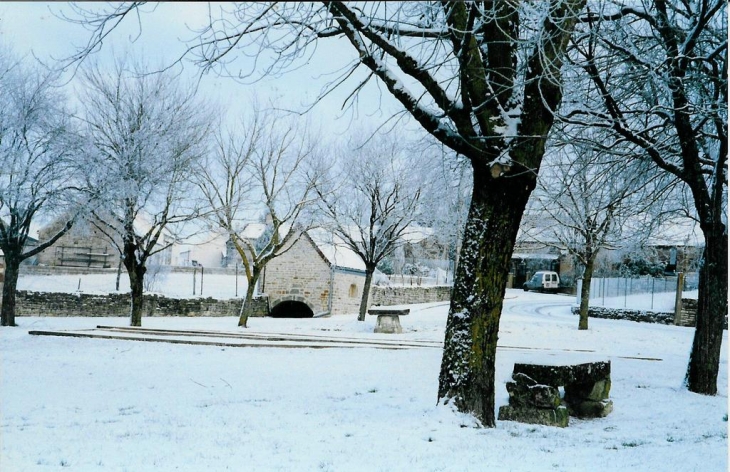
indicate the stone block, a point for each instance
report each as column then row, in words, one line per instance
column 591, row 409
column 596, row 391
column 389, row 324
column 522, row 379
column 545, row 416
column 559, row 375
column 540, row 396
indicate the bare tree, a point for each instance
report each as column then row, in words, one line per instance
column 266, row 164
column 655, row 75
column 372, row 202
column 482, row 78
column 592, row 199
column 37, row 159
column 446, row 201
column 147, row 133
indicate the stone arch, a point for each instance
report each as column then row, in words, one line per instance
column 291, row 306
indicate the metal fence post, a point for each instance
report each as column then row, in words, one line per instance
column 652, row 292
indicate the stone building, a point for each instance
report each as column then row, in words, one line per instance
column 316, row 276
column 84, row 245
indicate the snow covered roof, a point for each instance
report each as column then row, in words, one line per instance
column 335, row 250
column 253, row 231
column 416, row 234
column 545, row 256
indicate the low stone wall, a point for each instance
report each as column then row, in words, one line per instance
column 409, row 295
column 688, row 313
column 117, row 304
column 626, row 314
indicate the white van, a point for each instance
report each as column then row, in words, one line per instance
column 543, row 280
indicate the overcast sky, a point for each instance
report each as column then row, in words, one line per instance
column 35, row 28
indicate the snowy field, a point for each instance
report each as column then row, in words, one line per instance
column 91, row 404
column 173, row 284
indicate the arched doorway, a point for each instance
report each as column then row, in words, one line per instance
column 291, row 309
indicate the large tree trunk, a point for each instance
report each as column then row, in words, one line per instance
column 585, row 292
column 468, row 364
column 365, row 292
column 136, row 284
column 247, row 305
column 135, row 271
column 704, row 362
column 12, row 269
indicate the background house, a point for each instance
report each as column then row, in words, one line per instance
column 85, row 246
column 674, row 246
column 538, row 248
column 252, row 232
column 421, row 248
column 82, row 246
column 206, row 250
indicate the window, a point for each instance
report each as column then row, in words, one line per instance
column 353, row 291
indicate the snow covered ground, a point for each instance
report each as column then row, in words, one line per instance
column 174, row 284
column 91, row 404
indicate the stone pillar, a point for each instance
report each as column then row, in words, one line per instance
column 678, row 300
column 2, row 276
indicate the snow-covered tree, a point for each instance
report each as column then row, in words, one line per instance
column 654, row 73
column 38, row 153
column 372, row 200
column 146, row 132
column 268, row 163
column 589, row 198
column 483, row 78
column 445, row 201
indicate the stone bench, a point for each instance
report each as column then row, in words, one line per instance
column 534, row 395
column 388, row 319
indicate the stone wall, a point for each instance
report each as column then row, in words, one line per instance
column 409, row 295
column 347, row 290
column 687, row 313
column 626, row 314
column 687, row 316
column 117, row 304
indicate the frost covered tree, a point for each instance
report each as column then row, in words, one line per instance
column 446, row 201
column 146, row 133
column 268, row 162
column 654, row 74
column 38, row 153
column 371, row 201
column 484, row 78
column 593, row 199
